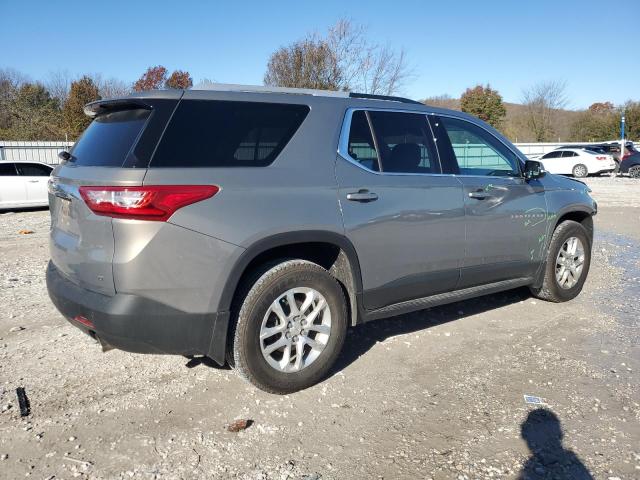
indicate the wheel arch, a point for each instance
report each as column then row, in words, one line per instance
column 331, row 250
column 577, row 213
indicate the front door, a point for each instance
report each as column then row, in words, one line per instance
column 506, row 215
column 404, row 218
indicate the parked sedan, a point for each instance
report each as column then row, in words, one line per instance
column 577, row 162
column 23, row 184
column 631, row 165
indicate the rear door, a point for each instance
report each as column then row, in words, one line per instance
column 114, row 151
column 405, row 219
column 13, row 191
column 505, row 214
column 35, row 177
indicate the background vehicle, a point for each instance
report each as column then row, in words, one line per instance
column 253, row 225
column 577, row 162
column 23, row 184
column 631, row 165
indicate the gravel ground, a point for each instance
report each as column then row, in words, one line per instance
column 436, row 394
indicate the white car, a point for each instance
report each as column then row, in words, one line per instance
column 24, row 184
column 577, row 162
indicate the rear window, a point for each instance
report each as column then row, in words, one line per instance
column 109, row 138
column 227, row 134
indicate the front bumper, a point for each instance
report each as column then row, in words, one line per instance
column 137, row 324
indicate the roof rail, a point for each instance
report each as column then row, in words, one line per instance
column 230, row 87
column 370, row 96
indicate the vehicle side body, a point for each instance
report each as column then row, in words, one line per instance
column 172, row 287
column 23, row 184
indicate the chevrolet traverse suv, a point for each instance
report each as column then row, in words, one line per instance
column 253, row 225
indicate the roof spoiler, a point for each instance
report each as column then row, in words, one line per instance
column 98, row 107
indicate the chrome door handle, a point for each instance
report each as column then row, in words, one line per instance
column 362, row 195
column 33, row 181
column 479, row 195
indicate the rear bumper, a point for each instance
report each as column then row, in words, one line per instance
column 137, row 324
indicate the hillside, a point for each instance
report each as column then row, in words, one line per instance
column 515, row 123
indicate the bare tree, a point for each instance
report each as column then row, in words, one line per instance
column 58, row 84
column 111, row 87
column 542, row 102
column 342, row 60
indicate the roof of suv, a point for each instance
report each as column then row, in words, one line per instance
column 215, row 91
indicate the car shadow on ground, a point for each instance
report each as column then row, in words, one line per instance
column 549, row 459
column 363, row 337
column 23, row 210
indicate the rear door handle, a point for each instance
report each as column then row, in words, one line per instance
column 362, row 195
column 33, row 181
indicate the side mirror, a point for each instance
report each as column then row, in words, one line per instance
column 533, row 169
column 65, row 156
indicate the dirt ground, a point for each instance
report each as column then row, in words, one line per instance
column 436, row 394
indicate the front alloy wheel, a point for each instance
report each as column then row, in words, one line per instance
column 569, row 263
column 634, row 172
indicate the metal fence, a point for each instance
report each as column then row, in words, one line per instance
column 45, row 152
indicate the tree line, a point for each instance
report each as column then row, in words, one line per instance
column 343, row 58
column 53, row 109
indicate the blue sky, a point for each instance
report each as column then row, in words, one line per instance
column 450, row 45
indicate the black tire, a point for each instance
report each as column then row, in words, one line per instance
column 580, row 171
column 261, row 291
column 550, row 289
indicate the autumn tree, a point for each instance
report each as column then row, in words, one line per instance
column 153, row 79
column 81, row 92
column 597, row 123
column 485, row 103
column 179, row 80
column 343, row 59
column 542, row 102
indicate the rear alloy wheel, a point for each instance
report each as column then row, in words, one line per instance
column 580, row 171
column 290, row 327
column 634, row 172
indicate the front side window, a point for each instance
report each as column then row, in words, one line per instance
column 476, row 151
column 208, row 133
column 569, row 154
column 33, row 170
column 551, row 155
column 7, row 170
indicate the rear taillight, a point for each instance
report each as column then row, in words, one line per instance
column 156, row 202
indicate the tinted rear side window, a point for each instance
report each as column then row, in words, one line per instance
column 33, row 170
column 7, row 170
column 227, row 134
column 109, row 138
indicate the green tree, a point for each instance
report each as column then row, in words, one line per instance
column 632, row 119
column 485, row 103
column 32, row 114
column 81, row 92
